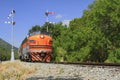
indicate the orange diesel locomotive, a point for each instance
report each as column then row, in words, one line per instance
column 37, row 46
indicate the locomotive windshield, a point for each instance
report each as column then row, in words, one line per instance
column 39, row 32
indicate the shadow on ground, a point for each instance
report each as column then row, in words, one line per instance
column 52, row 78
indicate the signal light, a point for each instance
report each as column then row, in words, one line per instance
column 13, row 22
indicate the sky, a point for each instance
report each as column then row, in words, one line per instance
column 32, row 12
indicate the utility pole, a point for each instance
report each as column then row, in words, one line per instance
column 11, row 16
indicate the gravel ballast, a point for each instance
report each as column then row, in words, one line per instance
column 18, row 70
column 46, row 71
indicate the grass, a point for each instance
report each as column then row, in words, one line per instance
column 14, row 70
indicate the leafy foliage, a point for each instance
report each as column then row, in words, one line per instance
column 93, row 37
column 35, row 28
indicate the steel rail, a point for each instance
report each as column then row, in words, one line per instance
column 88, row 63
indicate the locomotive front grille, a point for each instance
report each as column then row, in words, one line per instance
column 40, row 46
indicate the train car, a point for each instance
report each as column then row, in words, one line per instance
column 37, row 46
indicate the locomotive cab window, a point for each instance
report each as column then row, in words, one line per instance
column 32, row 41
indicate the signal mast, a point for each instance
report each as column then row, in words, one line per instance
column 47, row 13
column 11, row 16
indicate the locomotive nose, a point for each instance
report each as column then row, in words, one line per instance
column 38, row 46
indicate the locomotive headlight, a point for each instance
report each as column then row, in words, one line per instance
column 42, row 36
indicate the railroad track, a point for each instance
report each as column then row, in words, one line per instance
column 89, row 64
column 86, row 64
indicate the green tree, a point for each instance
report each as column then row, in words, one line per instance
column 104, row 14
column 35, row 28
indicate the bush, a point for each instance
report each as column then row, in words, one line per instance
column 114, row 56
